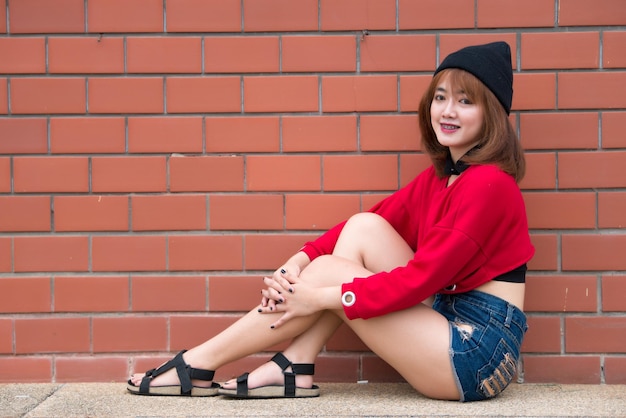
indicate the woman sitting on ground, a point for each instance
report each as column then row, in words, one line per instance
column 431, row 279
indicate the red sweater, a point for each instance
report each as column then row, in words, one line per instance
column 463, row 235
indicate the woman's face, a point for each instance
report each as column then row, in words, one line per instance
column 457, row 121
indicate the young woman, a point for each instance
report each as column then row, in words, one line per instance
column 431, row 278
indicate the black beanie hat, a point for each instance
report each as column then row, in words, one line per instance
column 491, row 64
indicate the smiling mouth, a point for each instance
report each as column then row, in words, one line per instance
column 448, row 128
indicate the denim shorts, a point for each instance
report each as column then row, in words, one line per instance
column 486, row 333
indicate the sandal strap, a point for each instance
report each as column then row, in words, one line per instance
column 290, row 377
column 242, row 385
column 282, row 361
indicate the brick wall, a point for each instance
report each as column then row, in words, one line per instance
column 158, row 156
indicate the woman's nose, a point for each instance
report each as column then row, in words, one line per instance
column 448, row 110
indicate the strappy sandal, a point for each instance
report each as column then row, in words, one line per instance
column 185, row 374
column 289, row 390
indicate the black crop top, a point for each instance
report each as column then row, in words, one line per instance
column 517, row 275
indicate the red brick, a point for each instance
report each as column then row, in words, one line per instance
column 611, row 209
column 6, row 336
column 435, row 14
column 546, row 252
column 91, row 293
column 205, row 252
column 336, row 15
column 184, row 333
column 562, row 369
column 318, row 53
column 411, row 165
column 25, row 369
column 540, row 171
column 319, row 211
column 614, row 370
column 389, row 53
column 4, row 96
column 25, row 294
column 534, row 91
column 206, row 174
column 91, row 213
column 169, row 293
column 128, row 253
column 561, row 294
column 389, row 133
column 91, row 55
column 203, row 15
column 281, row 94
column 613, row 44
column 592, row 90
column 278, row 173
column 451, row 42
column 48, row 95
column 603, row 12
column 50, row 174
column 126, row 95
column 45, row 16
column 319, row 133
column 5, row 174
column 545, row 210
column 128, row 174
column 543, row 335
column 169, row 212
column 560, row 50
column 360, row 172
column 124, row 334
column 267, row 252
column 368, row 200
column 203, row 94
column 593, row 252
column 613, row 287
column 3, row 16
column 86, row 135
column 23, row 136
column 246, row 212
column 170, row 134
column 221, row 293
column 562, row 130
column 122, row 16
column 6, row 254
column 90, row 369
column 23, row 55
column 359, row 93
column 233, row 134
column 374, row 369
column 239, row 54
column 595, row 334
column 25, row 213
column 612, row 136
column 280, row 15
column 591, row 169
column 511, row 13
column 51, row 253
column 164, row 55
column 52, row 335
column 337, row 368
column 412, row 88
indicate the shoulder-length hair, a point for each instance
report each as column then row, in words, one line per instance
column 498, row 143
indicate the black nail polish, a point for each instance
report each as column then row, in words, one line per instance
column 259, row 310
column 290, row 290
column 272, row 326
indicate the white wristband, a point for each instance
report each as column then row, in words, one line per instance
column 348, row 298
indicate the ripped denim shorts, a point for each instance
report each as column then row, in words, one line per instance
column 486, row 333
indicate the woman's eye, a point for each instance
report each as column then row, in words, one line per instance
column 439, row 97
column 466, row 101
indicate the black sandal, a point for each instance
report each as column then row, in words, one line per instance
column 289, row 390
column 185, row 374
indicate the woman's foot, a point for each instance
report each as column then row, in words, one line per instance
column 270, row 374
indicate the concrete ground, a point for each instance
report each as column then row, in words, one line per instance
column 104, row 400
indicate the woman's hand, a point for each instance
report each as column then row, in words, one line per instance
column 281, row 282
column 304, row 300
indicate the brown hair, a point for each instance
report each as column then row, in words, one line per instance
column 498, row 143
